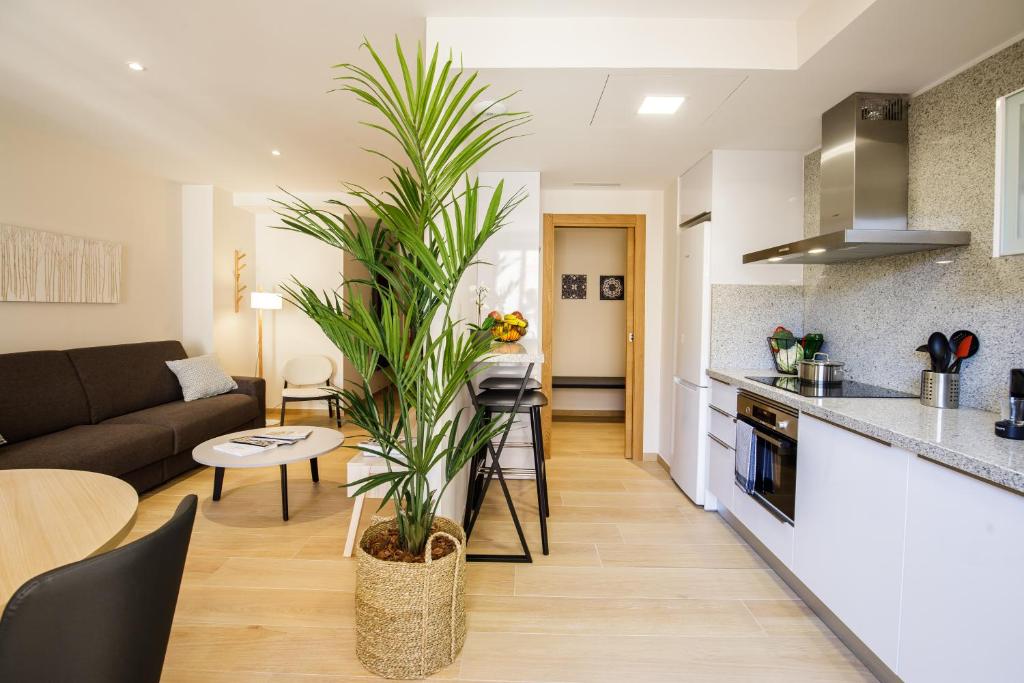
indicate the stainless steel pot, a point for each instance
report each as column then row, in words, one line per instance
column 820, row 372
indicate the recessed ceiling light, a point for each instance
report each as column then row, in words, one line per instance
column 775, row 259
column 819, row 250
column 655, row 104
column 491, row 107
column 136, row 66
column 276, row 152
column 942, row 263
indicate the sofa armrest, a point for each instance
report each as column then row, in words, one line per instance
column 255, row 387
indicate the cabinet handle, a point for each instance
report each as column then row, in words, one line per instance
column 721, row 412
column 720, row 442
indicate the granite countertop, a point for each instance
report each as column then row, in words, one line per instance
column 962, row 439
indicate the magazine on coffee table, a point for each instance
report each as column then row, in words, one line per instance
column 246, row 445
column 286, row 434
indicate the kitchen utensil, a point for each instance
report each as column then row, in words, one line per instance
column 817, row 371
column 1013, row 428
column 938, row 349
column 940, row 389
column 964, row 344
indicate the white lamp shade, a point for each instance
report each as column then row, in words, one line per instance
column 265, row 300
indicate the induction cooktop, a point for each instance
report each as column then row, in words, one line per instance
column 845, row 389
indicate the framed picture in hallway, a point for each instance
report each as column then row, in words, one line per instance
column 613, row 287
column 574, row 286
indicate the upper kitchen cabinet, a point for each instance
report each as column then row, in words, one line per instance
column 1009, row 215
column 755, row 200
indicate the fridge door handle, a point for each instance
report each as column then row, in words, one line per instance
column 686, row 383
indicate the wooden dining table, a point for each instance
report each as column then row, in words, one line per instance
column 50, row 518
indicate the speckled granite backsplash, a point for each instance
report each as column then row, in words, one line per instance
column 742, row 318
column 875, row 312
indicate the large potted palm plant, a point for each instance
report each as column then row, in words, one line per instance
column 429, row 227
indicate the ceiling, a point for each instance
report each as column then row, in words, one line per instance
column 228, row 81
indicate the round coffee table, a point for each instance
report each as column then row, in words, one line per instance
column 50, row 518
column 319, row 442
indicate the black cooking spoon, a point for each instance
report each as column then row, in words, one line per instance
column 964, row 344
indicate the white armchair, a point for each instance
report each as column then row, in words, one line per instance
column 308, row 378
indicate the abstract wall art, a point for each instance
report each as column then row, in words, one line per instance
column 41, row 266
column 574, row 286
column 613, row 287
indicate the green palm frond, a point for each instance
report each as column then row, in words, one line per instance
column 430, row 226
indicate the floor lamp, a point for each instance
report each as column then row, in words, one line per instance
column 262, row 301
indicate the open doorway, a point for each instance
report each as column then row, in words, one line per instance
column 592, row 336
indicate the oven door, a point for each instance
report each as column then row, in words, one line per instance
column 775, row 473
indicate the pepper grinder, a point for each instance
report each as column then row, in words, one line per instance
column 1013, row 428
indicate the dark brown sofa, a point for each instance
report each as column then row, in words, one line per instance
column 117, row 410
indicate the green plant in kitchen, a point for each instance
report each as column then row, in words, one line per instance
column 430, row 225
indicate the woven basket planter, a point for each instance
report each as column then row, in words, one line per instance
column 410, row 618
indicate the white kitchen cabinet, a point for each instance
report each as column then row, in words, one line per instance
column 723, row 397
column 963, row 595
column 851, row 501
column 775, row 534
column 694, row 190
column 721, row 473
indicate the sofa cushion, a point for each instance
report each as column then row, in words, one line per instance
column 196, row 421
column 201, row 377
column 106, row 448
column 124, row 378
column 39, row 393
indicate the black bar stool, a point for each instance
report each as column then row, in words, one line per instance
column 506, row 400
column 502, row 383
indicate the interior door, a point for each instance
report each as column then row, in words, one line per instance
column 693, row 319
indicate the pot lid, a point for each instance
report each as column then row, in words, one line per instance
column 828, row 362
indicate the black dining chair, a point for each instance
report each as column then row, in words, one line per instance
column 104, row 619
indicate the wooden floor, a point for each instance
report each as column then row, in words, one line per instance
column 640, row 584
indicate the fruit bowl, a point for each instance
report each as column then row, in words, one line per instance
column 508, row 328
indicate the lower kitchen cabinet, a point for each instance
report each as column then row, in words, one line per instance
column 851, row 502
column 963, row 595
column 721, row 473
column 775, row 534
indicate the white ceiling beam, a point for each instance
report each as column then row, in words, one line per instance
column 616, row 43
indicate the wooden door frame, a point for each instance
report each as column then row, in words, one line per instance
column 635, row 226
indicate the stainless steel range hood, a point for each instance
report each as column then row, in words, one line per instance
column 864, row 169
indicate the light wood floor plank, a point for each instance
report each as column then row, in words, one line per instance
column 641, row 584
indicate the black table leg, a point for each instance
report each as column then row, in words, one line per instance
column 284, row 492
column 314, row 469
column 218, row 482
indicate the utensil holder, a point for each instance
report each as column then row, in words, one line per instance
column 940, row 389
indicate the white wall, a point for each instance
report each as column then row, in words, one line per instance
column 280, row 254
column 234, row 334
column 51, row 180
column 589, row 334
column 650, row 203
column 197, row 269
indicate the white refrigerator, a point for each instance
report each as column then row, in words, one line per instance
column 692, row 352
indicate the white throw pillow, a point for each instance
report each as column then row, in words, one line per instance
column 201, row 377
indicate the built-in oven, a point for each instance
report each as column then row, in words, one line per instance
column 773, row 451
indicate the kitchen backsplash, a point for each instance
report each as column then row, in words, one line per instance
column 874, row 313
column 743, row 316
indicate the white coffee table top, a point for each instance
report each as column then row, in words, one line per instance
column 319, row 442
